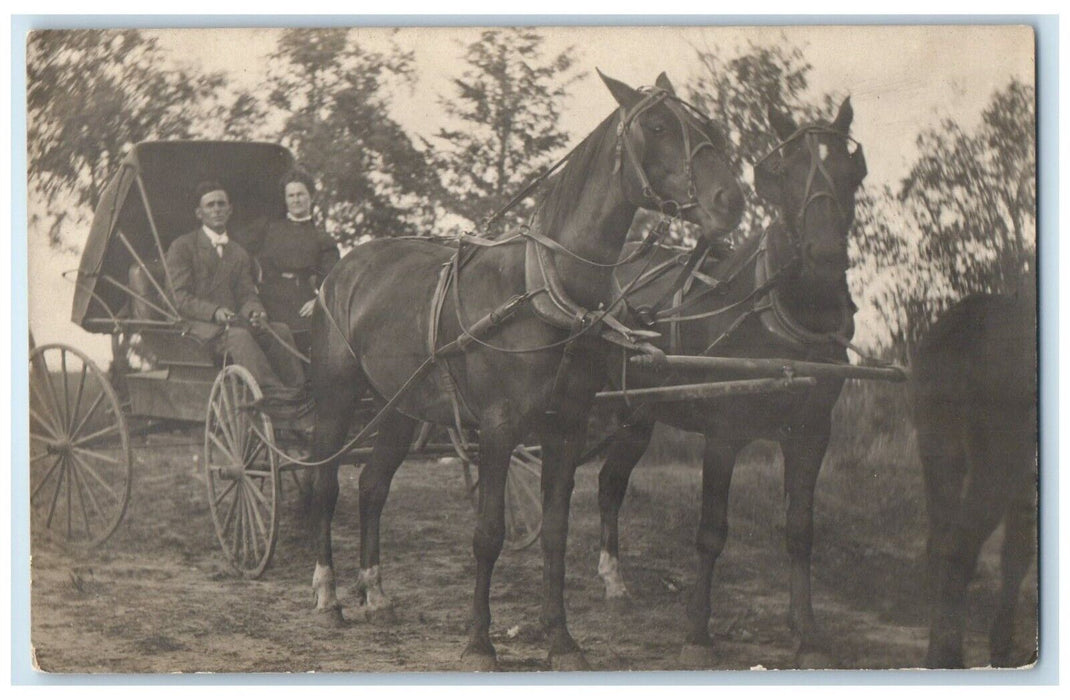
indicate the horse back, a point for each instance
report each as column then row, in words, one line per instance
column 980, row 355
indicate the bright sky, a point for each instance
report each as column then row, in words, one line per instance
column 900, row 79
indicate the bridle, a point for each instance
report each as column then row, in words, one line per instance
column 810, row 137
column 625, row 146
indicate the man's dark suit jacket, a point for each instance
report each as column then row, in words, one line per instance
column 203, row 281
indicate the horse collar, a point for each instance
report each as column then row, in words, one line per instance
column 777, row 319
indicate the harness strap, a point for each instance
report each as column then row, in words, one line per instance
column 457, row 402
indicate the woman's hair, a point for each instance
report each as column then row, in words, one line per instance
column 297, row 175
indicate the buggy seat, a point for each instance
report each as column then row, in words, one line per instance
column 168, row 346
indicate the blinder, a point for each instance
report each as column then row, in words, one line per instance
column 651, row 98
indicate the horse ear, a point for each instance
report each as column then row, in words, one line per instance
column 782, row 124
column 624, row 95
column 767, row 182
column 842, row 123
column 858, row 161
column 665, row 84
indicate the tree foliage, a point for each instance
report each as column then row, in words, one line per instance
column 506, row 113
column 969, row 207
column 735, row 89
column 91, row 95
column 333, row 95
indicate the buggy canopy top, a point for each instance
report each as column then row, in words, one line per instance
column 151, row 201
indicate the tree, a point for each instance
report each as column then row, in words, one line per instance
column 331, row 93
column 969, row 203
column 506, row 107
column 736, row 91
column 91, row 96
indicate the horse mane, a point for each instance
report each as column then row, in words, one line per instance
column 558, row 195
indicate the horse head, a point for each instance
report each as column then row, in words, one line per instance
column 813, row 175
column 673, row 160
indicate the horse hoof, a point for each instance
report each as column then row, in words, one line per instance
column 478, row 661
column 383, row 615
column 569, row 661
column 331, row 617
column 696, row 656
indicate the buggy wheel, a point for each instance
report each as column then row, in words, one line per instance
column 242, row 472
column 523, row 496
column 80, row 460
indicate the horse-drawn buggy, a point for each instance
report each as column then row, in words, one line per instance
column 517, row 336
column 84, row 419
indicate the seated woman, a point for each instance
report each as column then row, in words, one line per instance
column 294, row 256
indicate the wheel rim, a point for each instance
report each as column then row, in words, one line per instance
column 241, row 472
column 80, row 459
column 523, row 499
column 523, row 496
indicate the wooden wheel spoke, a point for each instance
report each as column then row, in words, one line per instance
column 40, row 455
column 251, row 447
column 223, row 448
column 528, row 467
column 223, row 494
column 99, row 455
column 55, row 494
column 52, row 392
column 47, row 477
column 529, row 489
column 235, row 423
column 232, row 510
column 42, row 398
column 76, row 454
column 78, row 397
column 243, row 519
column 97, row 435
column 46, row 424
column 92, row 409
column 255, row 528
column 257, row 492
column 261, row 473
column 79, row 488
column 66, row 391
column 224, row 426
column 240, row 401
column 92, row 500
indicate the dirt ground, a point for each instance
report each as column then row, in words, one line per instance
column 159, row 597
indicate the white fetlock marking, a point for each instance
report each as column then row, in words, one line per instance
column 609, row 570
column 372, row 583
column 323, row 587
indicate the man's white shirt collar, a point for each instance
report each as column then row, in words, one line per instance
column 217, row 239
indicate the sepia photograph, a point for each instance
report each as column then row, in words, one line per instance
column 532, row 348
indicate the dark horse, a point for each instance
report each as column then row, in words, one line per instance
column 975, row 407
column 782, row 293
column 653, row 152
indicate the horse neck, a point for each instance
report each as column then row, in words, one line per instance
column 816, row 305
column 587, row 213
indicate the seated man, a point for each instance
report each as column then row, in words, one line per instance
column 214, row 289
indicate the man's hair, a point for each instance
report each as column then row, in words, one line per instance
column 296, row 175
column 206, row 186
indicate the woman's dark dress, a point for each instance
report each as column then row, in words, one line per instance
column 294, row 257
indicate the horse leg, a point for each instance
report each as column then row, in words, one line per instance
column 955, row 544
column 718, row 463
column 562, row 444
column 337, row 384
column 628, row 447
column 333, row 415
column 944, row 469
column 803, row 456
column 391, row 446
column 496, row 442
column 1019, row 550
